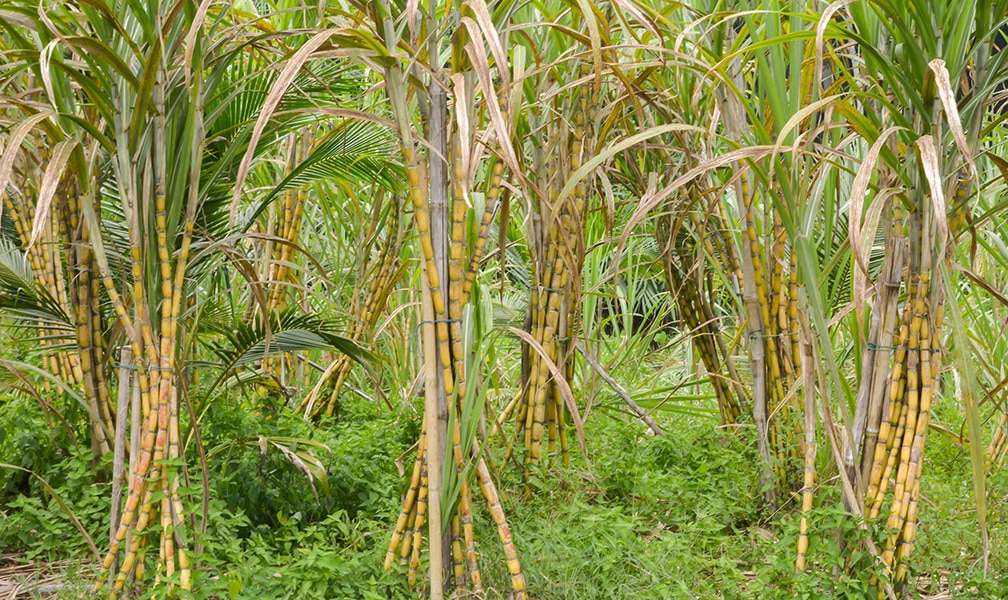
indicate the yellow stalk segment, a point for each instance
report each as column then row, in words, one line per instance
column 399, row 531
column 421, row 513
column 889, row 426
column 809, row 383
column 503, row 531
column 458, row 560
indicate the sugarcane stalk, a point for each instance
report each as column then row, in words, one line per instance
column 446, row 298
column 431, row 410
column 873, row 385
column 808, row 370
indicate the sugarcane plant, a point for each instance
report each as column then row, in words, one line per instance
column 758, row 267
column 43, row 207
column 131, row 93
column 769, row 278
column 792, row 113
column 560, row 146
column 936, row 75
column 334, row 153
column 440, row 189
column 379, row 271
column 691, row 225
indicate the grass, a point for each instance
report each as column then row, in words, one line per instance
column 678, row 516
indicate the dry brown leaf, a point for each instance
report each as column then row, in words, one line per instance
column 1000, row 163
column 478, row 56
column 412, row 8
column 13, row 146
column 820, row 34
column 464, row 130
column 45, row 58
column 190, row 39
column 871, row 222
column 929, row 160
column 631, row 7
column 276, row 93
column 493, row 39
column 857, row 195
column 947, row 96
column 47, row 190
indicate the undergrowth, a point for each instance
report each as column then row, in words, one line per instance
column 676, row 516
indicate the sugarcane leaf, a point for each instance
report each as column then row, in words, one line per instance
column 143, row 94
column 50, row 179
column 109, row 17
column 857, row 197
column 594, row 34
column 91, row 130
column 969, row 392
column 198, row 22
column 929, row 160
column 821, row 26
column 947, row 96
column 13, row 146
column 630, row 6
column 480, row 62
column 493, row 38
column 809, row 269
column 987, row 286
column 97, row 49
column 654, row 200
column 630, row 141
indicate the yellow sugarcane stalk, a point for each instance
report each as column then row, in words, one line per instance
column 767, row 394
column 417, row 183
column 159, row 445
column 809, row 383
column 289, row 226
column 552, row 301
column 889, row 435
column 418, row 523
column 45, row 256
column 486, row 485
column 904, row 476
column 412, row 493
column 412, row 515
